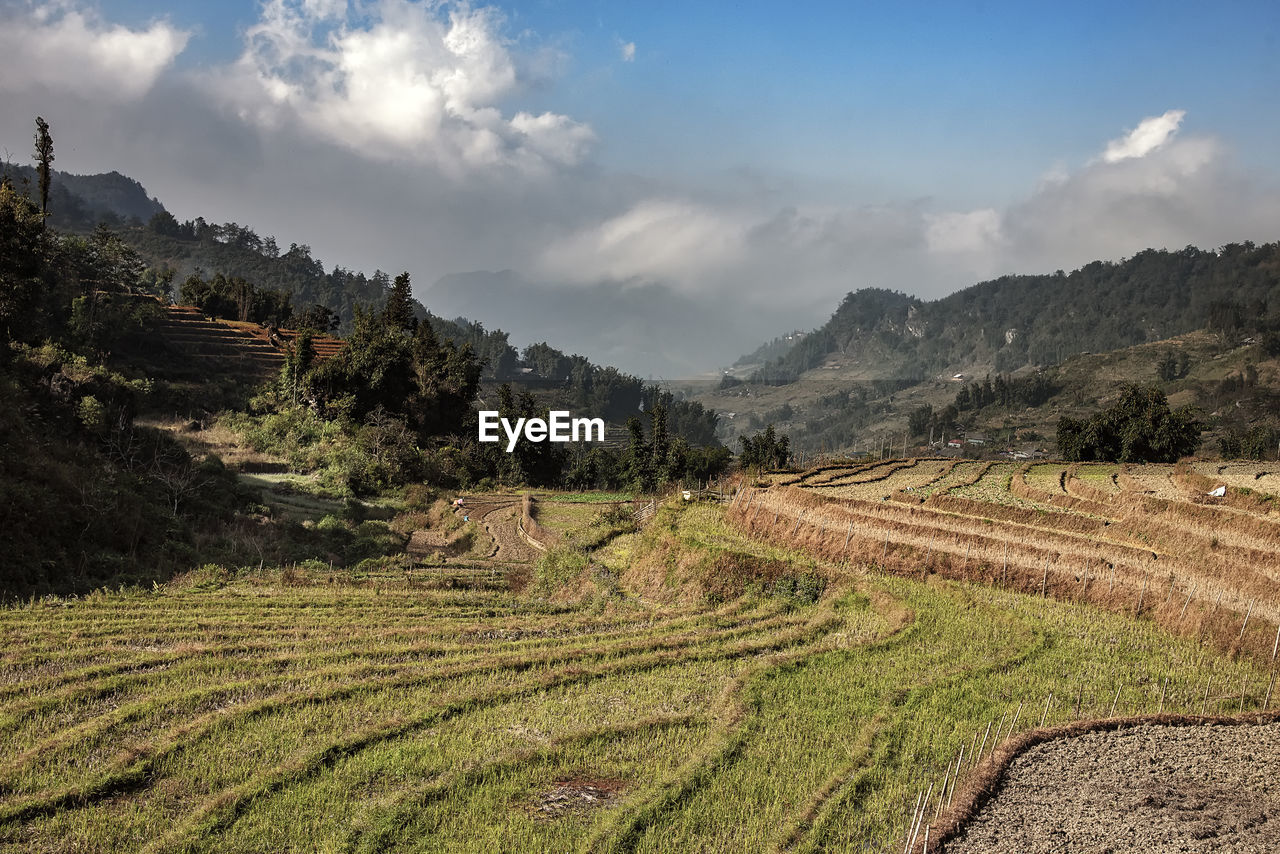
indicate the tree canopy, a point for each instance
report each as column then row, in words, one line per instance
column 1139, row 428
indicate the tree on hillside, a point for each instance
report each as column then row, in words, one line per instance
column 398, row 312
column 20, row 260
column 1139, row 428
column 765, row 450
column 44, row 162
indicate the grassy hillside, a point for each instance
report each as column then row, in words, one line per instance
column 265, row 711
column 1233, row 379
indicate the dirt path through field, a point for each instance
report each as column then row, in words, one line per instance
column 1149, row 788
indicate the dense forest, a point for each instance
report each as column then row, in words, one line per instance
column 1016, row 321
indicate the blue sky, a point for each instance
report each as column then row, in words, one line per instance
column 959, row 100
column 764, row 156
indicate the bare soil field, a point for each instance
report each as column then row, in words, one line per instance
column 1147, row 788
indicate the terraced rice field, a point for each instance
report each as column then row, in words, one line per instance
column 253, row 714
column 1099, row 476
column 1047, row 477
column 1257, row 476
column 1156, row 480
column 1209, row 557
column 882, row 481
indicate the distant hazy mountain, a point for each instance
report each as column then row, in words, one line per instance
column 648, row 330
column 79, row 202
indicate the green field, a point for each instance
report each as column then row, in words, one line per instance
column 269, row 712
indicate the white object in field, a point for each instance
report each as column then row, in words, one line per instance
column 686, row 494
column 1219, row 492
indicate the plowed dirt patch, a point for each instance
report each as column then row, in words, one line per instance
column 1145, row 789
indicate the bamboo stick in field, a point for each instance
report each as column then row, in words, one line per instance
column 926, row 838
column 848, row 536
column 1114, row 700
column 1141, row 596
column 1017, row 715
column 1044, row 715
column 984, row 743
column 973, row 746
column 1243, row 681
column 1205, row 702
column 923, row 810
column 996, row 740
column 956, row 778
column 1245, row 624
column 1267, row 702
column 942, row 793
column 1214, row 609
column 1044, row 579
column 1170, row 595
column 911, row 824
column 1191, row 593
column 1275, row 647
column 797, row 527
column 1163, row 689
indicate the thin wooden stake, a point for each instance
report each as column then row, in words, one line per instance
column 1267, row 702
column 924, row 808
column 1141, row 596
column 1115, row 700
column 1045, row 714
column 1245, row 624
column 1275, row 647
column 1163, row 688
column 1205, row 702
column 1191, row 593
column 926, row 839
column 1242, row 685
column 984, row 743
column 956, row 778
column 911, row 825
column 1170, row 595
column 937, row 811
column 848, row 536
column 1014, row 725
column 797, row 527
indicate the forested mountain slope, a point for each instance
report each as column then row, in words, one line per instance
column 1014, row 321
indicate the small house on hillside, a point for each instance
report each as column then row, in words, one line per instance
column 976, row 439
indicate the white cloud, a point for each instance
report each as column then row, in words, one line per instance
column 628, row 52
column 974, row 231
column 1150, row 134
column 63, row 47
column 406, row 80
column 653, row 240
